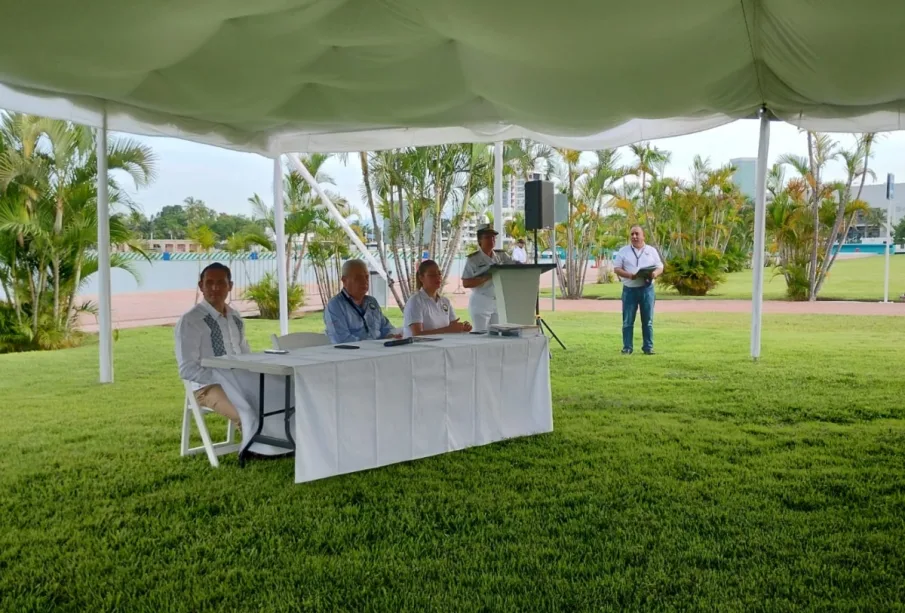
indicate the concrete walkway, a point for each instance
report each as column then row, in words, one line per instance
column 140, row 309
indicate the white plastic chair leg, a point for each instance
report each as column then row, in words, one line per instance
column 186, row 429
column 205, row 437
column 211, row 449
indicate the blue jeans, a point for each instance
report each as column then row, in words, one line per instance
column 632, row 299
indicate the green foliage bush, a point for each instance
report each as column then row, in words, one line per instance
column 266, row 294
column 694, row 274
column 798, row 284
column 736, row 259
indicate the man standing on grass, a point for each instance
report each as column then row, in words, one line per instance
column 637, row 289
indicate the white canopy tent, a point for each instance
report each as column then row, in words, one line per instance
column 282, row 76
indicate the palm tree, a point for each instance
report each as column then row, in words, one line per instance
column 857, row 170
column 302, row 210
column 48, row 173
column 829, row 204
column 368, row 192
column 649, row 161
column 414, row 190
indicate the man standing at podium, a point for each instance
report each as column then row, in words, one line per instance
column 476, row 277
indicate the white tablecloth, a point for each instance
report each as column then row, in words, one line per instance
column 359, row 409
column 374, row 406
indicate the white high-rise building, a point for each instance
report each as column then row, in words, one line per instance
column 745, row 175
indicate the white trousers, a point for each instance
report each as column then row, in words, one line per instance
column 482, row 311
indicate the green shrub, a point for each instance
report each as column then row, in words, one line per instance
column 695, row 274
column 798, row 285
column 266, row 294
column 736, row 259
column 16, row 336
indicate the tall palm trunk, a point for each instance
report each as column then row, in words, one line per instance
column 57, row 231
column 378, row 235
column 830, row 256
column 571, row 265
column 815, row 173
column 75, row 289
column 452, row 247
column 298, row 262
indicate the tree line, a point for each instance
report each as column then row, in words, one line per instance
column 415, row 200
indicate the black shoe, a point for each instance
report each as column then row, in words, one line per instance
column 626, row 351
column 650, row 352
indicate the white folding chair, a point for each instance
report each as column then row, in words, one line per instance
column 212, row 450
column 299, row 340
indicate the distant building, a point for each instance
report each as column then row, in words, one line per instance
column 875, row 197
column 163, row 245
column 744, row 176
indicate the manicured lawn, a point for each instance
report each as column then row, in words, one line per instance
column 859, row 279
column 690, row 480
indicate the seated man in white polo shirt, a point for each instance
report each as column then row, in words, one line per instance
column 427, row 312
column 637, row 292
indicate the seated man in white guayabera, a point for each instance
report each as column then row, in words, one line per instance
column 352, row 315
column 427, row 312
column 213, row 329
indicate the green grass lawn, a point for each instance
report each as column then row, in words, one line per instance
column 859, row 279
column 692, row 480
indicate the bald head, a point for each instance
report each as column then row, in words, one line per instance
column 637, row 235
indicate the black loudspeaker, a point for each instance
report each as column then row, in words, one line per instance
column 538, row 205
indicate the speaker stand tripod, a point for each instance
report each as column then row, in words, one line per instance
column 539, row 321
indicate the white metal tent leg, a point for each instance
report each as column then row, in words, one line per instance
column 105, row 311
column 498, row 189
column 760, row 225
column 888, row 246
column 371, row 260
column 279, row 220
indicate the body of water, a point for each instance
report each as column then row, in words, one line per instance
column 161, row 275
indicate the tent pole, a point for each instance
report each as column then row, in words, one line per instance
column 889, row 246
column 279, row 220
column 105, row 310
column 334, row 212
column 760, row 225
column 498, row 190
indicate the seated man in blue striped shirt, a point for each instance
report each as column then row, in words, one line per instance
column 352, row 315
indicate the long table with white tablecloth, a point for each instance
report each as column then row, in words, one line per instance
column 362, row 408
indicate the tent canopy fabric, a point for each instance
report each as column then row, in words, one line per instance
column 274, row 76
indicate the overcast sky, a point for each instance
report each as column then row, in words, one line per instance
column 226, row 179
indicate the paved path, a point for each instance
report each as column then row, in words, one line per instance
column 139, row 309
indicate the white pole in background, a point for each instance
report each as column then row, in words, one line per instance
column 279, row 220
column 760, row 226
column 498, row 191
column 552, row 247
column 890, row 183
column 105, row 310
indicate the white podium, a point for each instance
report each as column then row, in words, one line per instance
column 516, row 287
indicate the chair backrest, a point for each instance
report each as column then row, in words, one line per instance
column 298, row 340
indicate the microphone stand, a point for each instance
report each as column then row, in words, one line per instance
column 539, row 321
